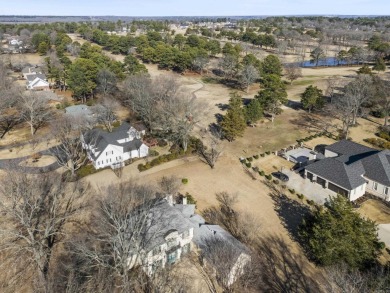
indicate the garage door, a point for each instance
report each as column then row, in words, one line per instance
column 338, row 189
column 321, row 181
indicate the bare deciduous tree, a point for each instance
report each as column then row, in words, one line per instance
column 200, row 63
column 69, row 152
column 210, row 151
column 105, row 112
column 169, row 185
column 34, row 110
column 115, row 244
column 292, row 72
column 106, row 81
column 248, row 75
column 35, row 211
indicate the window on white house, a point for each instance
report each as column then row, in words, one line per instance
column 375, row 186
column 386, row 191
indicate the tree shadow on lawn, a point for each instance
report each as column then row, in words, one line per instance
column 313, row 123
column 283, row 270
column 295, row 105
column 289, row 211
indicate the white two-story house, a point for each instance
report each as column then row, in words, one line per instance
column 352, row 169
column 112, row 149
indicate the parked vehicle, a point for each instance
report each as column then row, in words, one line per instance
column 281, row 176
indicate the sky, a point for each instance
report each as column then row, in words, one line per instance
column 194, row 7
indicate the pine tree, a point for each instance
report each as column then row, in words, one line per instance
column 233, row 123
column 253, row 111
column 337, row 235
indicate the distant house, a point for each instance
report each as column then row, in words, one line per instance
column 31, row 70
column 352, row 169
column 37, row 82
column 112, row 149
column 15, row 42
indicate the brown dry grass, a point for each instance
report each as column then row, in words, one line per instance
column 272, row 163
column 376, row 211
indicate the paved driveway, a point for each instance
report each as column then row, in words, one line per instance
column 310, row 190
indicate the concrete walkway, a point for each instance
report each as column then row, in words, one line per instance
column 310, row 190
column 384, row 233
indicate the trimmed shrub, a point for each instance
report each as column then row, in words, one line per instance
column 292, row 191
column 256, row 169
column 250, row 159
column 300, row 196
column 184, row 181
column 267, row 153
column 261, row 173
column 275, row 181
column 262, row 155
column 256, row 156
column 382, row 245
column 85, row 171
column 310, row 202
column 248, row 165
column 268, row 177
column 153, row 153
column 380, row 143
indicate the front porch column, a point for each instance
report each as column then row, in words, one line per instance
column 326, row 184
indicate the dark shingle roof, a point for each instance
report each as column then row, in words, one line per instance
column 336, row 171
column 347, row 147
column 354, row 160
column 377, row 167
column 101, row 139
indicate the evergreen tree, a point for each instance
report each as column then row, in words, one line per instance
column 253, row 111
column 380, row 65
column 233, row 123
column 271, row 65
column 337, row 234
column 312, row 98
column 273, row 94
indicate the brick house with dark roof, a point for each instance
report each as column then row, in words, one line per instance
column 352, row 169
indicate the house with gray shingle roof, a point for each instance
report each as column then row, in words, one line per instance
column 112, row 149
column 352, row 169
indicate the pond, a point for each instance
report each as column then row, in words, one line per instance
column 329, row 61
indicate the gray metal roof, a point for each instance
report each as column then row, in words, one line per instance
column 32, row 77
column 377, row 167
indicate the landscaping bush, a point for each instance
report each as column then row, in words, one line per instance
column 248, row 165
column 300, row 196
column 184, row 181
column 250, row 159
column 261, row 173
column 262, row 155
column 380, row 143
column 310, row 202
column 190, row 199
column 292, row 191
column 85, row 171
column 275, row 181
column 268, row 177
column 153, row 153
column 267, row 153
column 162, row 143
column 256, row 169
column 382, row 245
column 242, row 160
column 256, row 156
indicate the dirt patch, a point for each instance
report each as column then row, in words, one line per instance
column 375, row 210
